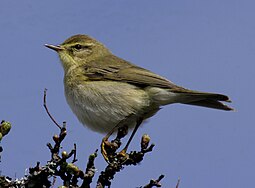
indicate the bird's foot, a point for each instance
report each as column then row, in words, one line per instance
column 108, row 149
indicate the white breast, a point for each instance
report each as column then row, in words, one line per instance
column 101, row 106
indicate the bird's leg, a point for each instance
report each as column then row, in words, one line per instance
column 124, row 150
column 122, row 127
column 105, row 143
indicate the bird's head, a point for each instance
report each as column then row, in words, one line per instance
column 79, row 49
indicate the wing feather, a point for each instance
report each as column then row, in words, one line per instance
column 116, row 69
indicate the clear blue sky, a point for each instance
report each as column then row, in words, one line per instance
column 200, row 44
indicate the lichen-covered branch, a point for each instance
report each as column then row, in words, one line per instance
column 62, row 163
column 117, row 161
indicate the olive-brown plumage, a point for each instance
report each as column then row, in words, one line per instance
column 103, row 89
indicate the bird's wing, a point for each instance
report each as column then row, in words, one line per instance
column 116, row 69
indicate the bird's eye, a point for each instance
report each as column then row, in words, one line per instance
column 78, row 46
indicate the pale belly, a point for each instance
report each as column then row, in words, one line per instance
column 102, row 105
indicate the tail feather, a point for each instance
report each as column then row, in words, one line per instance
column 210, row 100
column 210, row 103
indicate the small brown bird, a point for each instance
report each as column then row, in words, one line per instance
column 106, row 92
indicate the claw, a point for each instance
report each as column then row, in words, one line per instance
column 123, row 153
column 104, row 144
column 108, row 149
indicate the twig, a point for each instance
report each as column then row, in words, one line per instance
column 155, row 183
column 117, row 161
column 53, row 181
column 178, row 182
column 74, row 154
column 90, row 171
column 46, row 108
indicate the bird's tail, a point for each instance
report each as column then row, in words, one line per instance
column 191, row 97
column 209, row 100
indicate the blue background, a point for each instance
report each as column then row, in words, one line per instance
column 199, row 44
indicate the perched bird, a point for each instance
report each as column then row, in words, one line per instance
column 105, row 91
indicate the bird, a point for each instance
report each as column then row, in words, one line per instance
column 106, row 92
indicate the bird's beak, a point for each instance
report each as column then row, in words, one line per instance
column 57, row 48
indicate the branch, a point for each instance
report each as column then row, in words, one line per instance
column 155, row 183
column 46, row 108
column 117, row 161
